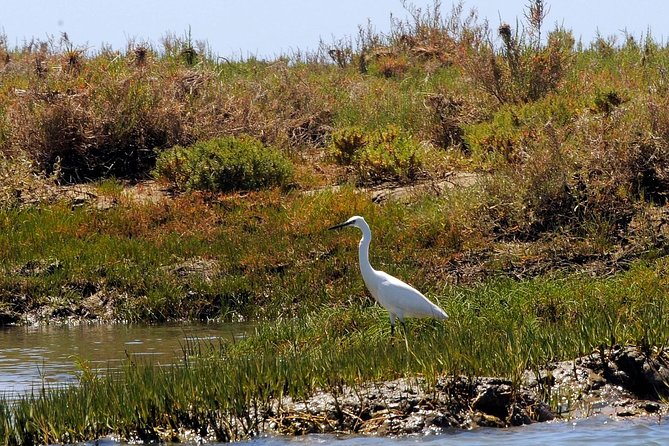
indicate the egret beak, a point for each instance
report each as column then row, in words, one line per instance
column 341, row 225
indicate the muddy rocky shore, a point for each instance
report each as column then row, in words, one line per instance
column 622, row 381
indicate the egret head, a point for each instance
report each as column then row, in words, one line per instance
column 356, row 221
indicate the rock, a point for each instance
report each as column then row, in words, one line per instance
column 441, row 420
column 582, row 387
column 540, row 411
column 627, row 413
column 645, row 376
column 413, row 423
column 494, row 399
column 40, row 267
column 650, row 406
column 8, row 317
column 595, row 381
column 519, row 415
column 399, row 425
column 486, row 420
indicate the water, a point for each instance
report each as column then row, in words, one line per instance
column 31, row 356
column 595, row 431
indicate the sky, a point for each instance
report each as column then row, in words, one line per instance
column 269, row 28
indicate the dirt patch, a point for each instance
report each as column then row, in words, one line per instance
column 432, row 187
column 145, row 192
column 408, row 193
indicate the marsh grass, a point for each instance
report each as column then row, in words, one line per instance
column 183, row 259
column 227, row 391
column 203, row 256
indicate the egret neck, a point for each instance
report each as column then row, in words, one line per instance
column 363, row 248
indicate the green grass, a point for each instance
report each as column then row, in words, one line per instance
column 497, row 329
column 266, row 257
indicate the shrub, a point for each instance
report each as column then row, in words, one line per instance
column 346, row 143
column 111, row 130
column 497, row 141
column 381, row 155
column 224, row 164
column 511, row 134
column 606, row 101
column 448, row 115
column 521, row 70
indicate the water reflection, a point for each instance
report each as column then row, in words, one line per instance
column 31, row 356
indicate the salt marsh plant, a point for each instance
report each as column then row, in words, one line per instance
column 380, row 155
column 223, row 165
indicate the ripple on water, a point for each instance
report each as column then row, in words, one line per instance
column 596, row 431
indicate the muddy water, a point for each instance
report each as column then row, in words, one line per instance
column 32, row 356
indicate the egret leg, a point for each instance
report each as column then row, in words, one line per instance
column 392, row 324
column 406, row 333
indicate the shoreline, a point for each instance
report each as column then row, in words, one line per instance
column 589, row 386
column 620, row 383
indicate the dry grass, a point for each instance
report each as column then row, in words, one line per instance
column 21, row 184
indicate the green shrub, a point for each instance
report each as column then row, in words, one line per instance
column 512, row 133
column 224, row 164
column 381, row 155
column 495, row 142
column 346, row 143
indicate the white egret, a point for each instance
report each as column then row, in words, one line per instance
column 400, row 299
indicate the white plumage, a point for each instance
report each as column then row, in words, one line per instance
column 400, row 299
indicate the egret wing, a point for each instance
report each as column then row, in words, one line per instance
column 404, row 300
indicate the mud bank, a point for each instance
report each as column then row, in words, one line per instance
column 620, row 381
